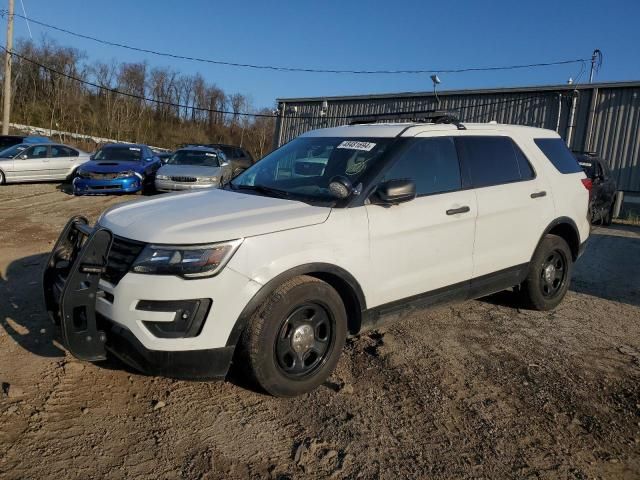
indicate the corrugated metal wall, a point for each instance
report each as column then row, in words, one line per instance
column 606, row 116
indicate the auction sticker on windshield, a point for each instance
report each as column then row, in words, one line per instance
column 354, row 145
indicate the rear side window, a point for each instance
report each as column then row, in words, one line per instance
column 432, row 163
column 493, row 161
column 558, row 154
column 526, row 170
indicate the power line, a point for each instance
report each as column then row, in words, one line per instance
column 3, row 13
column 259, row 115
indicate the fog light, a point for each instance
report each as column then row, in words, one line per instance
column 188, row 319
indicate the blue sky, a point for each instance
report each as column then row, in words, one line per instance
column 354, row 35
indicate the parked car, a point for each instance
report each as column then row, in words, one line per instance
column 239, row 158
column 603, row 187
column 27, row 162
column 117, row 168
column 163, row 156
column 7, row 141
column 284, row 267
column 193, row 168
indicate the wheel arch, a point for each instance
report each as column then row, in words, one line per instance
column 567, row 229
column 340, row 279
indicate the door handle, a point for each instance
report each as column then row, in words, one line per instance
column 539, row 194
column 454, row 211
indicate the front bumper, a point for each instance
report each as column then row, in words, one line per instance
column 90, row 186
column 78, row 300
column 171, row 186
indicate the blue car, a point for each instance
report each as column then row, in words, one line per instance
column 117, row 168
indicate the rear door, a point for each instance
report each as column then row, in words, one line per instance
column 61, row 161
column 514, row 203
column 425, row 244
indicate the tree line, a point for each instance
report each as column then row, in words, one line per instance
column 45, row 99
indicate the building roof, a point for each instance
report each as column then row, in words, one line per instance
column 523, row 89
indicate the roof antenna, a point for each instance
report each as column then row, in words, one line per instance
column 436, row 81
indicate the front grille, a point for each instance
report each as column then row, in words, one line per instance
column 112, row 186
column 121, row 256
column 184, row 179
column 103, row 176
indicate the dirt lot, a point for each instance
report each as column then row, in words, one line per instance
column 481, row 389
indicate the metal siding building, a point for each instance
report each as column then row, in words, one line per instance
column 601, row 117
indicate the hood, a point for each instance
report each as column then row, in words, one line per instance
column 111, row 166
column 208, row 216
column 189, row 171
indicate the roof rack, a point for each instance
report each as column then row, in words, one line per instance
column 421, row 116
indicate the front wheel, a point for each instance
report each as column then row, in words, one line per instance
column 549, row 274
column 295, row 338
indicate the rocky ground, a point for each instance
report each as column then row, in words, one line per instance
column 475, row 390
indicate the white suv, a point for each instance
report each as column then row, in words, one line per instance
column 329, row 235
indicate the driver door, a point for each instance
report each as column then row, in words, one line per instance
column 424, row 248
column 32, row 163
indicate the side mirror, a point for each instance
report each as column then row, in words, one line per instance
column 23, row 156
column 393, row 192
column 92, row 157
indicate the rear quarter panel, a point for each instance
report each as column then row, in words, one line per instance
column 570, row 197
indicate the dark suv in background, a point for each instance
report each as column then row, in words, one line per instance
column 603, row 186
column 7, row 141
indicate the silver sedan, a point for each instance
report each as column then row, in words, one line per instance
column 29, row 162
column 192, row 168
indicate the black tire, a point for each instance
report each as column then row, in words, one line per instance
column 607, row 219
column 2, row 179
column 545, row 287
column 276, row 344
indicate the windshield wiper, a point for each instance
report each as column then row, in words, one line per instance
column 263, row 189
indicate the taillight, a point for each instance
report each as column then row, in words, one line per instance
column 588, row 183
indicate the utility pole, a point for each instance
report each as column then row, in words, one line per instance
column 6, row 99
column 596, row 61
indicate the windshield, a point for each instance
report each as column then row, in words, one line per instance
column 194, row 158
column 130, row 154
column 13, row 151
column 305, row 166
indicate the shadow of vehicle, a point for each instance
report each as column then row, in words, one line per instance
column 22, row 312
column 610, row 266
column 608, row 269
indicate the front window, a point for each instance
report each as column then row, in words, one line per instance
column 121, row 153
column 304, row 167
column 11, row 152
column 194, row 158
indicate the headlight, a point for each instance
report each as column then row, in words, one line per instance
column 208, row 179
column 162, row 177
column 190, row 261
column 129, row 173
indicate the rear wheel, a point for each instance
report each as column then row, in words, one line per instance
column 607, row 217
column 295, row 338
column 549, row 274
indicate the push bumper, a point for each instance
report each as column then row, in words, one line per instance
column 89, row 186
column 71, row 287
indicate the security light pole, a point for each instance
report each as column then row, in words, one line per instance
column 6, row 99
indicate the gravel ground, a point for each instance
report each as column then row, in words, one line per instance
column 475, row 390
